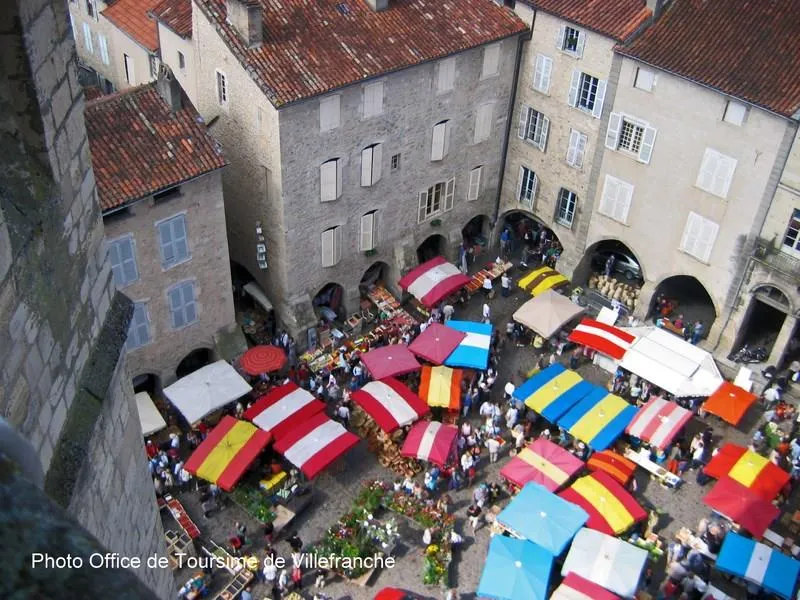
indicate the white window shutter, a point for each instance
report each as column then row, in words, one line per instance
column 520, row 182
column 423, row 205
column 572, row 99
column 474, row 183
column 523, row 121
column 87, row 38
column 538, row 70
column 581, row 44
column 329, row 113
column 612, row 135
column 623, row 203
column 708, row 235
column 581, row 150
column 547, row 69
column 708, row 167
column 327, row 248
column 328, row 176
column 560, row 37
column 725, row 175
column 438, row 142
column 543, row 135
column 648, row 141
column 366, row 167
column 572, row 147
column 483, row 123
column 597, row 111
column 102, row 41
column 491, row 60
column 691, row 233
column 534, row 187
column 446, row 74
column 367, row 232
column 377, row 160
column 449, row 193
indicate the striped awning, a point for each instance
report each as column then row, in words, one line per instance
column 282, row 408
column 611, row 508
column 390, row 403
column 598, row 419
column 542, row 279
column 606, row 339
column 441, row 386
column 658, row 422
column 431, row 441
column 433, row 281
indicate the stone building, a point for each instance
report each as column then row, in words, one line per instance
column 360, row 133
column 63, row 382
column 159, row 185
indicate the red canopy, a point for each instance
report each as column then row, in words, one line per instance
column 729, row 402
column 606, row 339
column 748, row 468
column 430, row 441
column 616, row 465
column 575, row 587
column 741, row 505
column 433, row 281
column 390, row 361
column 283, row 408
column 542, row 462
column 436, row 343
column 390, row 403
column 262, row 359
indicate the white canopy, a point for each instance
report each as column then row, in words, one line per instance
column 607, row 561
column 257, row 294
column 671, row 363
column 206, row 390
column 149, row 416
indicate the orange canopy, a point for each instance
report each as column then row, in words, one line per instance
column 729, row 402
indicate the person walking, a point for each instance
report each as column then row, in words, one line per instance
column 494, row 448
column 447, row 312
column 698, row 454
column 697, row 332
column 474, row 515
column 487, row 287
column 609, row 268
column 487, row 313
column 505, row 285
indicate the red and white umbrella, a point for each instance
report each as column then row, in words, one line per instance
column 431, row 441
column 658, row 422
column 390, row 403
column 283, row 408
column 606, row 339
column 433, row 281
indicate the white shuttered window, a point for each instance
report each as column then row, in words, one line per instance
column 483, row 122
column 173, row 241
column 122, row 255
column 616, row 199
column 436, row 199
column 331, row 246
column 576, row 148
column 182, row 304
column 329, row 113
column 102, row 41
column 371, row 158
column 87, row 38
column 587, row 93
column 367, row 237
column 716, row 173
column 330, row 180
column 526, row 187
column 699, row 236
column 446, row 75
column 373, row 99
column 474, row 189
column 533, row 127
column 541, row 73
column 631, row 136
column 440, row 141
column 139, row 329
column 491, row 61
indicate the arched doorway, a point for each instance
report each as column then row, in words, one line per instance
column 764, row 320
column 433, row 246
column 195, row 360
column 531, row 240
column 329, row 303
column 476, row 232
column 685, row 297
column 376, row 274
column 624, row 265
column 147, row 382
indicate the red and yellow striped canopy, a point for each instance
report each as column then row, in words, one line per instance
column 612, row 510
column 616, row 465
column 752, row 470
column 441, row 386
column 542, row 462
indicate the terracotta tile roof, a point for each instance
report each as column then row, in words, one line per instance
column 313, row 46
column 140, row 147
column 131, row 16
column 92, row 92
column 749, row 49
column 176, row 15
column 617, row 19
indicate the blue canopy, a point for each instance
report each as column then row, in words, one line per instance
column 515, row 570
column 759, row 564
column 553, row 391
column 543, row 518
column 598, row 419
column 473, row 351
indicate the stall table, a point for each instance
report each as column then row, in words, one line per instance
column 286, row 511
column 687, row 538
column 642, row 458
column 178, row 544
column 492, row 271
column 179, row 514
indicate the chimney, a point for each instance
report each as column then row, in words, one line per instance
column 169, row 89
column 247, row 18
column 378, row 5
column 656, row 7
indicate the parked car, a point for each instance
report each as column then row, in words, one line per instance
column 624, row 263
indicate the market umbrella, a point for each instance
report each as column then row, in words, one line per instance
column 441, row 386
column 390, row 403
column 227, row 452
column 606, row 339
column 616, row 465
column 436, row 343
column 542, row 462
column 473, row 351
column 149, row 416
column 598, row 419
column 611, row 508
column 553, row 391
column 729, row 402
column 390, row 361
column 547, row 313
column 542, row 279
column 433, row 281
column 430, row 441
column 748, row 468
column 283, row 408
column 770, row 569
column 538, row 515
column 731, row 499
column 658, row 422
column 262, row 359
column 575, row 587
column 515, row 570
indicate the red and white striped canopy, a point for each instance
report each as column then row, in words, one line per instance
column 431, row 441
column 433, row 281
column 315, row 443
column 606, row 339
column 390, row 403
column 283, row 408
column 658, row 422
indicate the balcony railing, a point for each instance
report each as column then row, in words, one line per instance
column 768, row 255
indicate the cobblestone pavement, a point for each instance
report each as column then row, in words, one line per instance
column 335, row 489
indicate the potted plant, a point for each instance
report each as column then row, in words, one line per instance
column 371, row 252
column 436, row 223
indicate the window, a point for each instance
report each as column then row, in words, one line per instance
column 446, row 75
column 483, row 123
column 565, row 207
column 791, row 241
column 371, row 158
column 440, row 141
column 222, row 88
column 645, row 79
column 491, row 61
column 576, row 148
column 87, row 38
column 130, row 75
column 172, row 238
column 330, row 179
column 102, row 41
column 616, row 199
column 373, row 99
column 631, row 136
column 436, row 199
column 541, row 73
column 474, row 189
column 181, row 61
column 367, row 238
column 716, row 173
column 533, row 127
column 571, row 41
column 587, row 93
column 122, row 254
column 699, row 236
column 526, row 189
column 182, row 304
column 139, row 329
column 395, row 162
column 154, row 65
column 735, row 113
column 329, row 112
column 91, row 10
column 331, row 246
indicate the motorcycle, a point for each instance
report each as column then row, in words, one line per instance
column 746, row 354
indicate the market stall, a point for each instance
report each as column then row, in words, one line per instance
column 598, row 419
column 433, row 281
column 741, row 505
column 748, row 468
column 492, row 271
column 542, row 462
column 436, row 343
column 431, row 441
column 315, row 443
column 546, row 313
column 386, row 446
column 472, row 352
column 575, row 587
column 658, row 422
column 769, row 569
column 729, row 402
column 441, row 387
column 390, row 403
column 227, row 452
column 283, row 408
column 262, row 359
column 515, row 570
column 611, row 563
column 206, row 390
column 542, row 280
column 607, row 339
column 390, row 361
column 611, row 508
column 539, row 516
column 553, row 391
column 607, row 461
column 149, row 417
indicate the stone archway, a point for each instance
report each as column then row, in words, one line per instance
column 194, row 361
column 433, row 246
column 685, row 297
column 625, row 267
column 328, row 303
column 376, row 273
column 519, row 222
column 764, row 319
column 147, row 382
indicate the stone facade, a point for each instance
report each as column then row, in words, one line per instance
column 57, row 299
column 170, row 47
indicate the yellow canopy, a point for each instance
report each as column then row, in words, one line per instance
column 542, row 279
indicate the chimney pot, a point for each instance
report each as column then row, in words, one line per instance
column 169, row 89
column 378, row 5
column 247, row 18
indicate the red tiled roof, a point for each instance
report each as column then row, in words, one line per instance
column 131, row 16
column 749, row 49
column 313, row 46
column 176, row 15
column 616, row 19
column 92, row 92
column 140, row 147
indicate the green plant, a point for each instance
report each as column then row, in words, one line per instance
column 436, row 223
column 371, row 252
